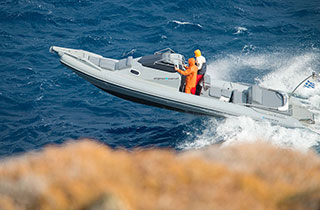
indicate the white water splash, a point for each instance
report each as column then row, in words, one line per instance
column 185, row 23
column 223, row 68
column 285, row 72
column 240, row 30
column 290, row 73
column 245, row 129
column 205, row 139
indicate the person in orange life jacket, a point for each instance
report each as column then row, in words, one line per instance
column 202, row 66
column 191, row 73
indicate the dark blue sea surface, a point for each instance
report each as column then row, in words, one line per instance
column 273, row 43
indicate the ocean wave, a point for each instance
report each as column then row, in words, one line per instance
column 185, row 23
column 91, row 40
column 235, row 130
column 244, row 129
column 177, row 24
column 240, row 30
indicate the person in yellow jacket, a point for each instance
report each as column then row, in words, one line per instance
column 191, row 73
column 202, row 68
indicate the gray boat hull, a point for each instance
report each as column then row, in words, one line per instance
column 131, row 80
column 146, row 99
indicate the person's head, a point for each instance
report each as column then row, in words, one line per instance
column 197, row 53
column 192, row 61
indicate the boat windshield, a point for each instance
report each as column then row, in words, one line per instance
column 165, row 62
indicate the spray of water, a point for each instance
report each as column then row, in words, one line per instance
column 281, row 71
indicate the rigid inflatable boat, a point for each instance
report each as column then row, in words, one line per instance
column 152, row 80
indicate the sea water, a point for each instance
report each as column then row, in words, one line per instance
column 275, row 44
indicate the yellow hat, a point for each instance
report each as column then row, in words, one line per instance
column 197, row 53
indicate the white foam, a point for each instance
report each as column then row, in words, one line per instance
column 290, row 73
column 39, row 98
column 240, row 30
column 241, row 129
column 205, row 139
column 285, row 72
column 244, row 129
column 185, row 23
column 164, row 37
column 240, row 9
column 224, row 67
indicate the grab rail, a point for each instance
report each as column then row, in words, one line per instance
column 166, row 49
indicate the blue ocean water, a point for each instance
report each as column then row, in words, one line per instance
column 269, row 42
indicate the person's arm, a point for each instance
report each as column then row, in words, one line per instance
column 186, row 72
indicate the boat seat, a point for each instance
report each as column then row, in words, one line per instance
column 238, row 97
column 94, row 60
column 265, row 97
column 110, row 64
column 124, row 63
column 215, row 92
column 255, row 95
column 107, row 64
column 222, row 94
column 272, row 98
column 206, row 80
column 129, row 61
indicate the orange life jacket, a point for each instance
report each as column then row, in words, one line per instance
column 191, row 73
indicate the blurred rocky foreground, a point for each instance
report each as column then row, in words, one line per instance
column 88, row 175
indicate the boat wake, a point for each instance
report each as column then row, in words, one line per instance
column 281, row 72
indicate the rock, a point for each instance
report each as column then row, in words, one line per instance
column 84, row 174
column 106, row 202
